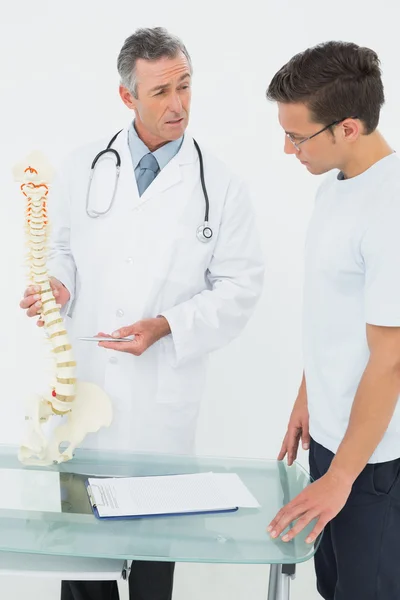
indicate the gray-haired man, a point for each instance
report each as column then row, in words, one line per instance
column 141, row 270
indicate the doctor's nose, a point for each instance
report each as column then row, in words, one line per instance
column 175, row 104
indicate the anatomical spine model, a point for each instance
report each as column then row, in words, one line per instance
column 85, row 405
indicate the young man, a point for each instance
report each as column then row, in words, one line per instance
column 329, row 99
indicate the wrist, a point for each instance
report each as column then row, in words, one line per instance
column 340, row 475
column 163, row 327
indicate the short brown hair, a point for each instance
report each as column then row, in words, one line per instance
column 335, row 80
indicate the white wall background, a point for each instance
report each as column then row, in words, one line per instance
column 59, row 89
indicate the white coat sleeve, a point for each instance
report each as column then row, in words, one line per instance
column 215, row 316
column 60, row 263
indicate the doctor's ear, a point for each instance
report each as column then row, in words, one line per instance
column 127, row 97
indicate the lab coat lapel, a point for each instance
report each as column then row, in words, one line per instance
column 161, row 225
column 128, row 195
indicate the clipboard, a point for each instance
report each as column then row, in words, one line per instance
column 151, row 515
column 129, row 338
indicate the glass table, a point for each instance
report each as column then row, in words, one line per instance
column 45, row 514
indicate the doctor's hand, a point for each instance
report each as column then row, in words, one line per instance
column 31, row 300
column 145, row 333
column 321, row 500
column 297, row 430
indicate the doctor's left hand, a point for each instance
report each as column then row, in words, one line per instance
column 321, row 500
column 145, row 333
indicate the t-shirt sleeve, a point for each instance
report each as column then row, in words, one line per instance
column 381, row 254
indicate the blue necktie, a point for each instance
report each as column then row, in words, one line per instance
column 148, row 170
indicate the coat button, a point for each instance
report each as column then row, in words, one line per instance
column 120, row 312
column 129, row 260
column 113, row 360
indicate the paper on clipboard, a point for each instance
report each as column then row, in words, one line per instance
column 169, row 494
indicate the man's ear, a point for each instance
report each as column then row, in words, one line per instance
column 127, row 97
column 351, row 129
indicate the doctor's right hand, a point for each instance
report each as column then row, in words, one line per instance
column 297, row 429
column 31, row 300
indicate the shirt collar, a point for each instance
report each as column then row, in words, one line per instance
column 138, row 149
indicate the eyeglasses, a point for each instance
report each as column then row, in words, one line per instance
column 296, row 144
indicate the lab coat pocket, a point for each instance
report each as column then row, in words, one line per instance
column 183, row 383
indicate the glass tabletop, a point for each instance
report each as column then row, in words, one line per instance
column 46, row 510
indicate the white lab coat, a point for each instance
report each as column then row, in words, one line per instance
column 141, row 260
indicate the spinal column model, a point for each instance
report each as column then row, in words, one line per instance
column 86, row 406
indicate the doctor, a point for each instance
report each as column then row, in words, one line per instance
column 140, row 269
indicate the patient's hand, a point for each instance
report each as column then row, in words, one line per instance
column 297, row 430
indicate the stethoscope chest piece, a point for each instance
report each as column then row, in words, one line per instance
column 204, row 232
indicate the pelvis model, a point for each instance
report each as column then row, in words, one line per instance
column 85, row 406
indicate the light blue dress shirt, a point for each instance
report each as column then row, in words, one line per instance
column 138, row 149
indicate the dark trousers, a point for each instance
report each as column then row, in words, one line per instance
column 147, row 581
column 359, row 554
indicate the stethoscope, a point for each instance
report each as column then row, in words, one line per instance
column 204, row 232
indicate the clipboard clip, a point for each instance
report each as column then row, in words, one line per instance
column 90, row 494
